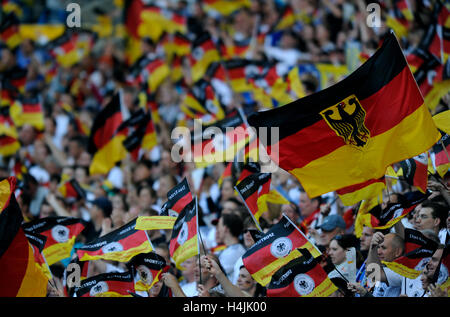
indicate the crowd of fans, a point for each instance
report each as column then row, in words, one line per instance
column 325, row 31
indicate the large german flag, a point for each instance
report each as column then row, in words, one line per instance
column 107, row 285
column 184, row 241
column 105, row 140
column 61, row 233
column 352, row 131
column 353, row 194
column 149, row 266
column 301, row 277
column 418, row 250
column 253, row 189
column 120, row 245
column 273, row 250
column 20, row 275
column 177, row 198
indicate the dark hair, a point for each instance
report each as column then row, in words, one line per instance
column 234, row 223
column 346, row 241
column 437, row 211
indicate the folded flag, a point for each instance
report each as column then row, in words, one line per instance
column 415, row 171
column 61, row 233
column 19, row 272
column 120, row 245
column 149, row 266
column 348, row 135
column 418, row 250
column 184, row 242
column 106, row 285
column 177, row 198
column 273, row 250
column 301, row 277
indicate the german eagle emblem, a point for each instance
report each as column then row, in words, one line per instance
column 346, row 118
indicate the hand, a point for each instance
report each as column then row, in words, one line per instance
column 202, row 291
column 169, row 280
column 325, row 209
column 436, row 291
column 377, row 239
column 357, row 288
column 435, row 186
column 211, row 265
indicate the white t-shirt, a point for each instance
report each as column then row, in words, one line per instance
column 190, row 289
column 229, row 257
column 392, row 289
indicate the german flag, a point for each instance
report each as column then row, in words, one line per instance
column 9, row 31
column 210, row 147
column 61, row 233
column 239, row 69
column 107, row 285
column 184, row 240
column 9, row 143
column 351, row 195
column 273, row 250
column 19, row 272
column 203, row 53
column 64, row 49
column 253, row 189
column 70, row 276
column 436, row 39
column 155, row 222
column 287, row 19
column 301, row 277
column 295, row 84
column 415, row 171
column 378, row 218
column 149, row 266
column 418, row 250
column 105, row 140
column 175, row 45
column 224, row 7
column 441, row 152
column 399, row 19
column 71, row 190
column 31, row 113
column 8, row 93
column 17, row 77
column 177, row 199
column 248, row 169
column 218, row 249
column 120, row 245
column 154, row 73
column 349, row 136
column 37, row 242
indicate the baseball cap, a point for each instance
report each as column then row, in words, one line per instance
column 104, row 204
column 332, row 222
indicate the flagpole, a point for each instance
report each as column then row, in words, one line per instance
column 198, row 242
column 292, row 223
column 445, row 150
column 253, row 217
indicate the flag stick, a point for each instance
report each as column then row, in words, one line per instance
column 251, row 214
column 198, row 243
column 445, row 150
column 287, row 218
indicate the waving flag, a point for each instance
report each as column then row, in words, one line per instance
column 155, row 222
column 346, row 137
column 351, row 195
column 203, row 53
column 37, row 242
column 105, row 140
column 224, row 7
column 20, row 274
column 441, row 152
column 9, row 31
column 415, row 171
column 253, row 189
column 184, row 242
column 9, row 143
column 61, row 233
column 106, row 285
column 71, row 190
column 273, row 250
column 119, row 245
column 149, row 266
column 301, row 277
column 71, row 275
column 177, row 199
column 418, row 250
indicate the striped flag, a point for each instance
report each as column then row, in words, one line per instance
column 61, row 233
column 37, row 242
column 177, row 199
column 351, row 195
column 301, row 277
column 273, row 250
column 71, row 190
column 415, row 171
column 345, row 139
column 203, row 53
column 20, row 274
column 106, row 285
column 441, row 151
column 9, row 31
column 149, row 266
column 120, row 245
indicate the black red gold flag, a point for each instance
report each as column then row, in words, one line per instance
column 273, row 250
column 71, row 190
column 301, row 277
column 9, row 31
column 20, row 274
column 418, row 250
column 415, row 171
column 120, row 245
column 177, row 198
column 441, row 152
column 353, row 194
column 149, row 266
column 106, row 285
column 37, row 242
column 203, row 53
column 61, row 233
column 371, row 119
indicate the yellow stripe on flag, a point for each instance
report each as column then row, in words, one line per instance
column 155, row 222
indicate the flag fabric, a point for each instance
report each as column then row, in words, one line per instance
column 9, row 143
column 70, row 278
column 351, row 195
column 415, row 171
column 441, row 151
column 149, row 266
column 106, row 285
column 177, row 199
column 31, row 113
column 224, row 7
column 105, row 140
column 378, row 218
column 203, row 53
column 184, row 242
column 208, row 146
column 155, row 222
column 9, row 31
column 400, row 18
column 442, row 121
column 37, row 242
column 273, row 250
column 301, row 277
column 19, row 272
column 120, row 245
column 348, row 136
column 287, row 19
column 253, row 189
column 71, row 190
column 418, row 250
column 61, row 233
